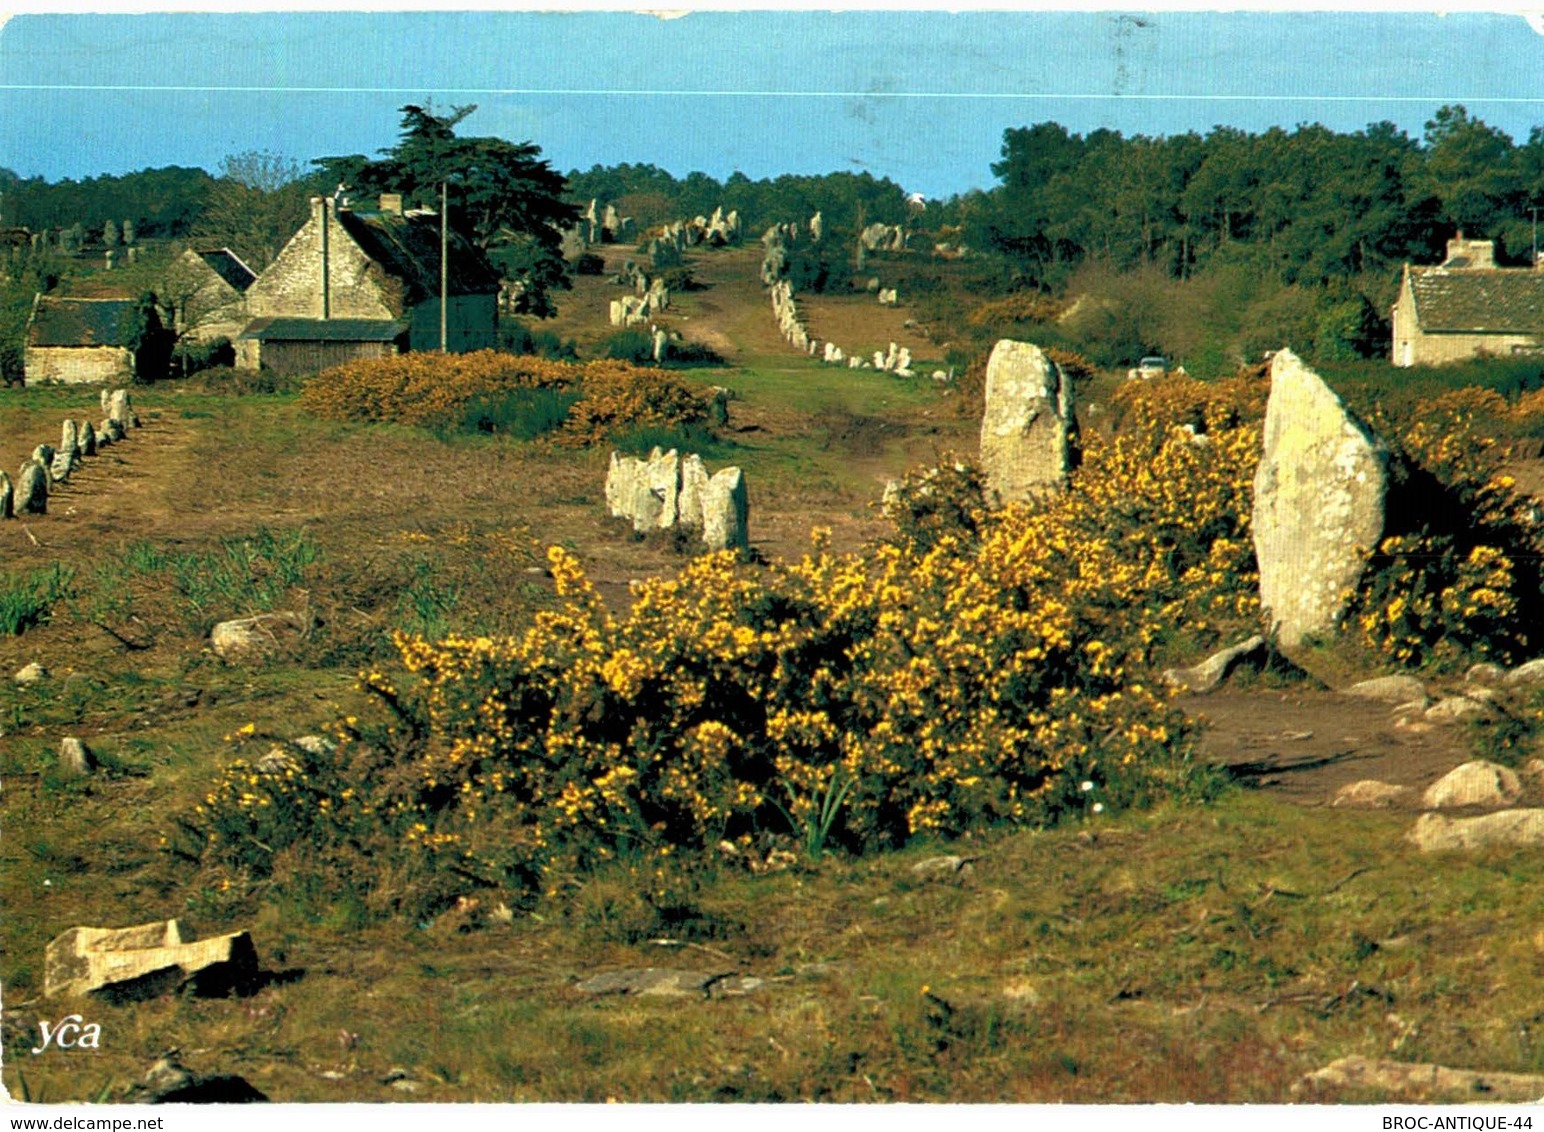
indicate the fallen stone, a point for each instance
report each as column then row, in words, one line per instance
column 75, row 758
column 259, row 637
column 1456, row 709
column 1216, row 668
column 145, row 961
column 1027, row 425
column 659, row 981
column 1318, row 503
column 1370, row 794
column 1437, row 833
column 31, row 673
column 1389, row 689
column 949, row 866
column 1424, row 1083
column 1475, row 783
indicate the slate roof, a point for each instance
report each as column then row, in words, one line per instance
column 323, row 330
column 408, row 247
column 1478, row 301
column 77, row 322
column 228, row 266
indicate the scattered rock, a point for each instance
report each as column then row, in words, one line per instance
column 1436, row 833
column 31, row 673
column 1456, row 709
column 1370, row 794
column 1425, row 1083
column 935, row 867
column 75, row 758
column 259, row 637
column 1319, row 503
column 1216, row 668
column 123, row 964
column 1476, row 783
column 660, row 981
column 168, row 1081
column 1390, row 689
column 1027, row 427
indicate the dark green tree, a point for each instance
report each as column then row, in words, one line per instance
column 501, row 195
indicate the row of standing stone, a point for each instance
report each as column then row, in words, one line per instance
column 668, row 491
column 49, row 465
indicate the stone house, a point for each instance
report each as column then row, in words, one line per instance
column 359, row 284
column 206, row 290
column 1467, row 307
column 77, row 341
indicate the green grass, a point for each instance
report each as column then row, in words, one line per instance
column 28, row 600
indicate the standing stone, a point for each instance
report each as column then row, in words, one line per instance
column 63, row 464
column 663, row 476
column 121, row 410
column 1318, row 507
column 694, row 488
column 44, row 454
column 7, row 497
column 621, row 481
column 75, row 758
column 661, row 343
column 69, row 438
column 726, row 511
column 88, row 439
column 32, row 489
column 1027, row 428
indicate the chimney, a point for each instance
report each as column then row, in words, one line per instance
column 391, row 204
column 1470, row 254
column 319, row 215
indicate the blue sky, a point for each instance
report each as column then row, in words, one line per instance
column 919, row 96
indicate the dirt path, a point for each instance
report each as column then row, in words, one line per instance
column 1303, row 746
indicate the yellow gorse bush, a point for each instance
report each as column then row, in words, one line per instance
column 977, row 669
column 429, row 388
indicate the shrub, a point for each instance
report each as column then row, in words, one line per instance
column 589, row 263
column 523, row 414
column 434, row 390
column 517, row 338
column 631, row 345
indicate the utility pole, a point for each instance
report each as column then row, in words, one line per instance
column 444, row 269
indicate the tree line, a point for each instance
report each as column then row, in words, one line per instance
column 1304, row 206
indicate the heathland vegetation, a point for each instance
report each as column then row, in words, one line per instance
column 910, row 762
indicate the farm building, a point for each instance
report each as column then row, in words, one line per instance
column 1466, row 307
column 78, row 341
column 207, row 289
column 376, row 276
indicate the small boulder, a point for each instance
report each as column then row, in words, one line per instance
column 31, row 673
column 657, row 981
column 1531, row 672
column 1456, row 709
column 1389, row 689
column 1476, row 783
column 1438, row 833
column 1411, row 1083
column 1370, row 794
column 258, row 638
column 1485, row 674
column 1216, row 668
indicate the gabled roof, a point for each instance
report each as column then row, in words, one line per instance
column 408, row 247
column 228, row 266
column 323, row 330
column 77, row 322
column 1478, row 301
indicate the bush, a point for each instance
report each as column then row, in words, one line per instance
column 434, row 389
column 589, row 263
column 193, row 357
column 516, row 338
